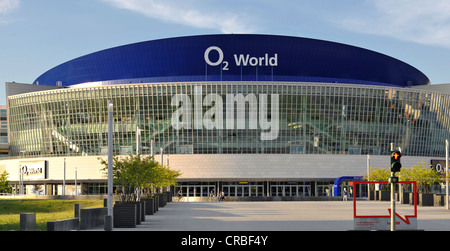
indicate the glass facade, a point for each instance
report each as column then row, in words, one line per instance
column 230, row 118
column 3, row 126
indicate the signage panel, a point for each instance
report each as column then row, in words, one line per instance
column 383, row 222
column 235, row 57
column 33, row 170
column 438, row 165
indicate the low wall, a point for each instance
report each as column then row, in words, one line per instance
column 92, row 217
column 56, row 197
column 28, row 222
column 63, row 225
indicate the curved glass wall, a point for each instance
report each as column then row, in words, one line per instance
column 231, row 118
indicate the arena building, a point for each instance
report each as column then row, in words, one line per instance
column 254, row 115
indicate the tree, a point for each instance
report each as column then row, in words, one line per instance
column 425, row 176
column 378, row 174
column 4, row 185
column 133, row 173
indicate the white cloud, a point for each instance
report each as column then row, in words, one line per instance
column 186, row 13
column 420, row 21
column 8, row 5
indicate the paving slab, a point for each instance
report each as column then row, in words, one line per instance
column 278, row 216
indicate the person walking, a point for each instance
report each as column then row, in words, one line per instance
column 211, row 195
column 222, row 196
column 180, row 195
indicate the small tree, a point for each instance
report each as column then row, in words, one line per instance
column 423, row 175
column 134, row 172
column 378, row 174
column 4, row 185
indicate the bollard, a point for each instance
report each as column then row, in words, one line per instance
column 28, row 222
column 108, row 223
column 77, row 210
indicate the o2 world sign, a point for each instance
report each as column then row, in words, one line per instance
column 240, row 60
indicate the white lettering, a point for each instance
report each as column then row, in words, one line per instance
column 240, row 59
column 236, row 116
column 240, row 100
column 274, row 121
column 193, row 241
column 206, row 55
column 213, row 117
column 184, row 112
column 254, row 61
column 245, row 240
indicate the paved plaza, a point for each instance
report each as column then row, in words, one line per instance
column 279, row 216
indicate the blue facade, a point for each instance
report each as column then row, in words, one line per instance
column 235, row 58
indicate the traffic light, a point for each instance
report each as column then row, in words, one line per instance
column 395, row 161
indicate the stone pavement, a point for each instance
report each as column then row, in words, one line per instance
column 277, row 216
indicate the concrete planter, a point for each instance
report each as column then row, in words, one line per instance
column 425, row 200
column 149, row 206
column 405, row 198
column 162, row 199
column 371, row 195
column 125, row 215
column 140, row 209
column 384, row 195
column 439, row 200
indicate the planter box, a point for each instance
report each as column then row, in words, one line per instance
column 125, row 215
column 140, row 209
column 149, row 207
column 439, row 200
column 156, row 203
column 162, row 200
column 92, row 217
column 371, row 195
column 384, row 195
column 425, row 199
column 405, row 198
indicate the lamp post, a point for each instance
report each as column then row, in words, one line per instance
column 446, row 174
column 138, row 140
column 368, row 173
column 109, row 217
column 76, row 189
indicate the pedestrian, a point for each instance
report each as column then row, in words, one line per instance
column 345, row 195
column 211, row 195
column 222, row 196
column 180, row 195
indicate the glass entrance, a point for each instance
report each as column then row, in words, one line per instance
column 195, row 190
column 243, row 190
column 290, row 190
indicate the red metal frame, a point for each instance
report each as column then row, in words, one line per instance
column 406, row 219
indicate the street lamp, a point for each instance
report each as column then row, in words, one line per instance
column 446, row 174
column 109, row 217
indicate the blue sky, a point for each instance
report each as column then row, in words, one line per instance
column 36, row 35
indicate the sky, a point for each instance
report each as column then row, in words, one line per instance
column 37, row 35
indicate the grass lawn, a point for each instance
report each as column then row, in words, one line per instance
column 46, row 210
